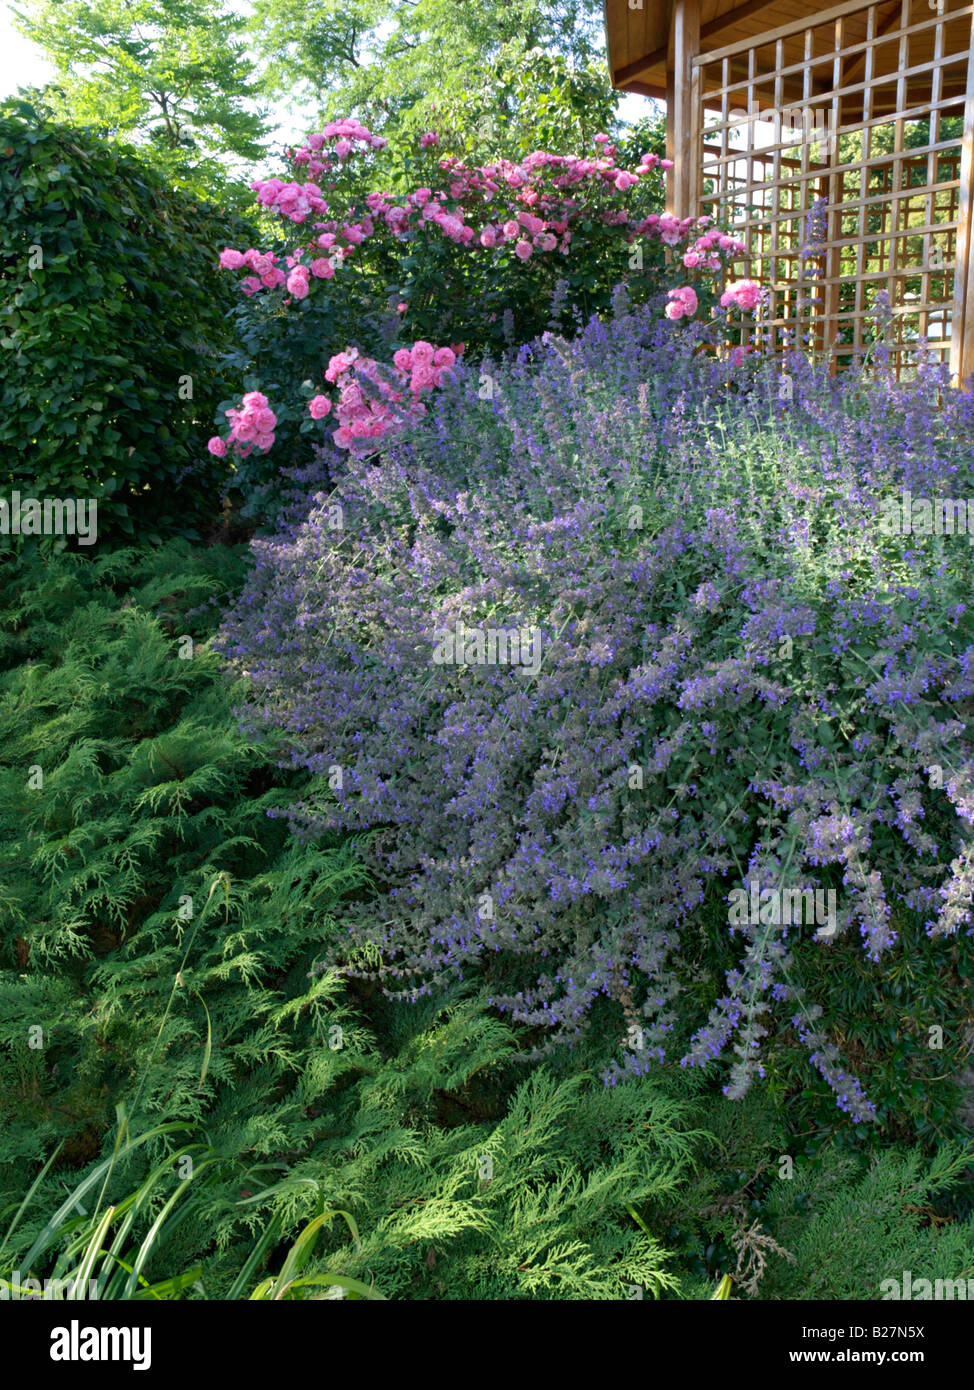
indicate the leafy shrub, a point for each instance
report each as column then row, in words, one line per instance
column 111, row 329
column 731, row 676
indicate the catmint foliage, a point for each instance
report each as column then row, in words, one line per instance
column 731, row 671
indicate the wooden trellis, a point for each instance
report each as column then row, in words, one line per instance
column 838, row 143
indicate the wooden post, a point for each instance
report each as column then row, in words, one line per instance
column 671, row 140
column 681, row 115
column 962, row 319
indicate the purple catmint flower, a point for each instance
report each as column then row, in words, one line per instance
column 575, row 653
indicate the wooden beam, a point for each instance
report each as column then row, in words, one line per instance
column 645, row 89
column 725, row 21
column 641, row 65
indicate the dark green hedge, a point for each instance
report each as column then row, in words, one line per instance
column 111, row 315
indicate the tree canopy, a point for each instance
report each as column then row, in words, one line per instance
column 172, row 74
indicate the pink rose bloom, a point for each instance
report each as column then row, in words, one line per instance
column 691, row 260
column 216, row 446
column 430, row 138
column 244, row 431
column 338, row 364
column 257, row 399
column 624, row 181
column 683, row 301
column 319, row 407
column 322, row 268
column 452, row 226
column 743, row 295
column 531, row 224
column 230, row 259
column 272, row 278
column 523, row 250
column 669, row 229
column 402, row 360
column 353, row 398
column 265, row 420
column 343, row 437
column 343, row 149
column 421, row 196
column 422, row 354
column 326, row 241
column 401, row 308
column 666, row 164
column 263, row 442
column 298, row 285
column 444, row 357
column 422, row 377
column 511, row 229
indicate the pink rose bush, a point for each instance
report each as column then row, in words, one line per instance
column 540, row 202
column 462, row 243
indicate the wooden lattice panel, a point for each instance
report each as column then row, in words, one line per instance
column 857, row 183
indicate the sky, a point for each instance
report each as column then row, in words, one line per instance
column 22, row 64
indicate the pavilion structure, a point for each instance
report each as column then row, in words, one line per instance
column 837, row 142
